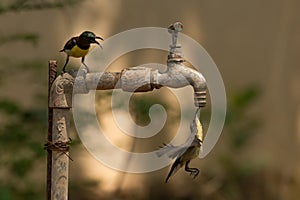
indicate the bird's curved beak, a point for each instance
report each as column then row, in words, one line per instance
column 97, row 37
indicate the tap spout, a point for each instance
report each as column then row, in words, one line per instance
column 178, row 75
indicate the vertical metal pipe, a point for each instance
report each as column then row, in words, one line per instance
column 51, row 77
column 60, row 97
column 60, row 159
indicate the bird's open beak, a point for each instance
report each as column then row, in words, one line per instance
column 97, row 37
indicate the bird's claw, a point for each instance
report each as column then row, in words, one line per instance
column 87, row 69
column 84, row 73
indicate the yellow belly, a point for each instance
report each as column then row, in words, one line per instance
column 77, row 52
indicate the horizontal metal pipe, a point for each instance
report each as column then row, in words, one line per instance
column 144, row 79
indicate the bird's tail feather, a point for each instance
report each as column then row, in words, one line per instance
column 175, row 167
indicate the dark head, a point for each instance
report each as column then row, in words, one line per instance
column 90, row 37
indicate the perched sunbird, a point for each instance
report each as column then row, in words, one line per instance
column 79, row 46
column 184, row 154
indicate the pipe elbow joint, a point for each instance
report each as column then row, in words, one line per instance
column 198, row 83
column 178, row 75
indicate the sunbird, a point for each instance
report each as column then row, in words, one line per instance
column 184, row 154
column 79, row 46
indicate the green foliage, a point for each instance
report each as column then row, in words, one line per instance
column 21, row 140
column 140, row 106
column 28, row 5
column 244, row 98
column 25, row 37
column 5, row 193
column 240, row 125
column 13, row 193
column 21, row 166
column 9, row 107
column 11, row 133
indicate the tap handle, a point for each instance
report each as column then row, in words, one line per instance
column 175, row 53
column 174, row 29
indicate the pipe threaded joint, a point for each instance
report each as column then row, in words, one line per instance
column 200, row 98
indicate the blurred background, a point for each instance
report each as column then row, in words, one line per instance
column 255, row 45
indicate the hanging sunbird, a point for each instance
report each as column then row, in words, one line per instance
column 184, row 154
column 79, row 47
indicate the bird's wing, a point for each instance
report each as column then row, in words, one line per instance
column 195, row 139
column 170, row 151
column 70, row 44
